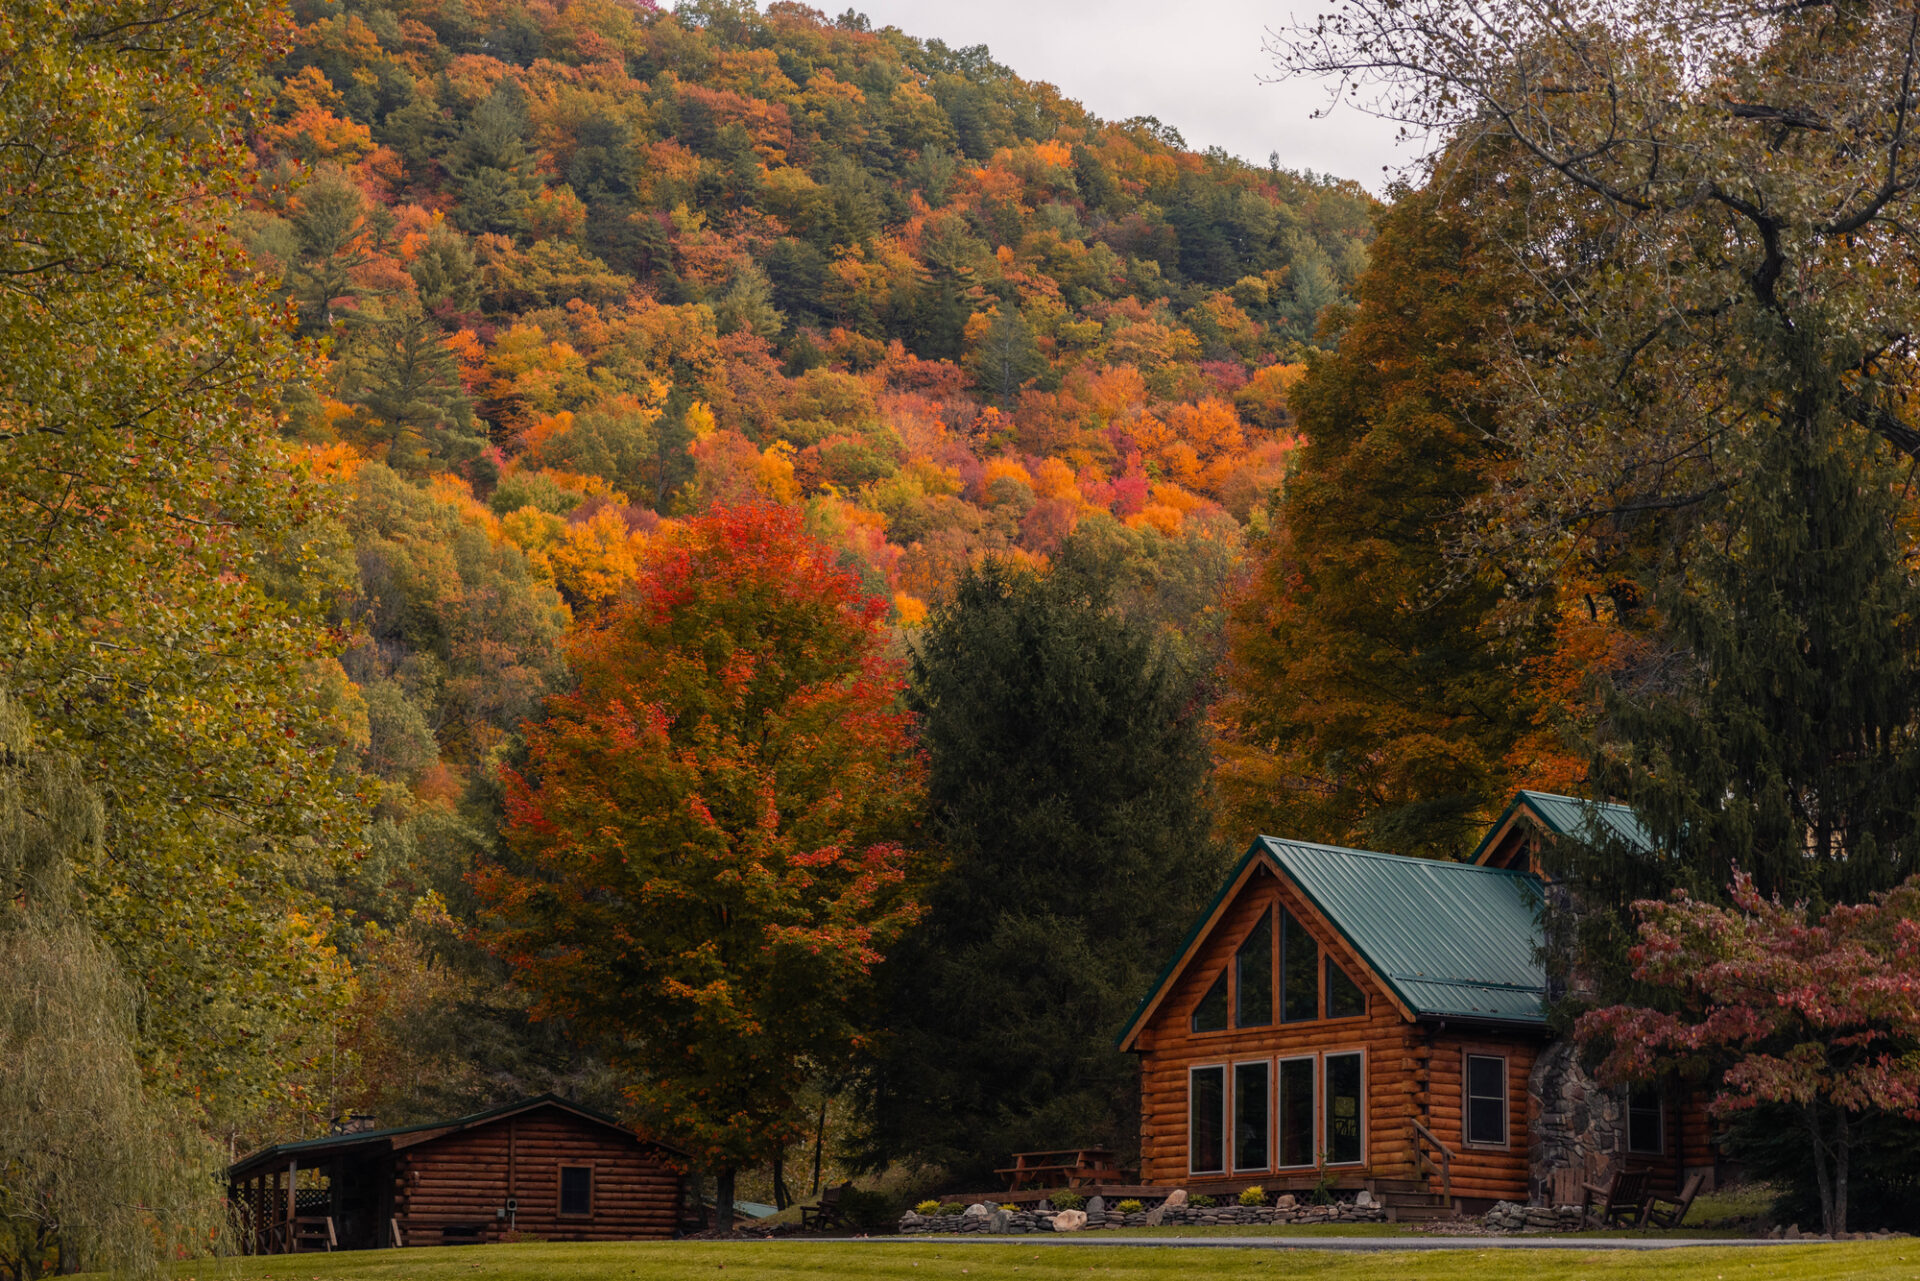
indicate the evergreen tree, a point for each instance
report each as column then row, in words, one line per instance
column 1067, row 781
column 410, row 396
column 493, row 165
column 1007, row 355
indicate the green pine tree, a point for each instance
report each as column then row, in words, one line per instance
column 1068, row 788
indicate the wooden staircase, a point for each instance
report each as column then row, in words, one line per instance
column 1410, row 1201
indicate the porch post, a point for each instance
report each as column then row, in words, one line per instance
column 293, row 1172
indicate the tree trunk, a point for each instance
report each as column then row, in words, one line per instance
column 819, row 1142
column 1820, row 1174
column 781, row 1198
column 1842, row 1149
column 723, row 1199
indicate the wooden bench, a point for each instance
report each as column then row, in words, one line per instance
column 1063, row 1168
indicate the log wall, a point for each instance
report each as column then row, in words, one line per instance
column 1168, row 1047
column 1491, row 1171
column 465, row 1177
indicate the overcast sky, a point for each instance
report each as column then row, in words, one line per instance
column 1195, row 64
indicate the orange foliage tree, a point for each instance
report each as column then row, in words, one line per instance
column 709, row 833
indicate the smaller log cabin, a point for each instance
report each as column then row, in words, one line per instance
column 1380, row 1021
column 543, row 1166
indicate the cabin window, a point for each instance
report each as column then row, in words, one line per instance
column 1644, row 1130
column 1211, row 1014
column 1207, row 1120
column 1344, row 1098
column 1253, row 976
column 1251, row 1116
column 1345, row 1000
column 576, row 1190
column 1486, row 1099
column 1296, row 1112
column 1299, row 972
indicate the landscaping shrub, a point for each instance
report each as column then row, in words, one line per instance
column 928, row 1207
column 1130, row 1206
column 1066, row 1200
column 869, row 1211
column 1202, row 1202
column 1255, row 1195
column 952, row 1207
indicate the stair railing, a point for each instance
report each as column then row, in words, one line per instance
column 1423, row 1138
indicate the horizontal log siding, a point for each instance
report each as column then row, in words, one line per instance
column 1499, row 1173
column 463, row 1178
column 1168, row 1046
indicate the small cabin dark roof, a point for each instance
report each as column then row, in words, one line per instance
column 1449, row 940
column 1593, row 822
column 307, row 1151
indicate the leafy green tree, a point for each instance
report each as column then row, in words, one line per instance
column 1067, row 787
column 149, row 510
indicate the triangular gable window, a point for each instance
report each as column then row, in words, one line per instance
column 1345, row 1000
column 1253, row 976
column 1211, row 1014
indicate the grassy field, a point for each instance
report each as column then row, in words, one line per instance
column 1897, row 1260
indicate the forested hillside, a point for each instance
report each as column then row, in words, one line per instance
column 584, row 271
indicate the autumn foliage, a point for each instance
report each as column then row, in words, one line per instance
column 708, row 831
column 1821, row 1015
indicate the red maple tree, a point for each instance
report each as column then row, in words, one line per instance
column 1822, row 1016
column 711, row 832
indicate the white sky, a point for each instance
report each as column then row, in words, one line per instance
column 1196, row 65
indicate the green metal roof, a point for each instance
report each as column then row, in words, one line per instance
column 1452, row 940
column 1594, row 822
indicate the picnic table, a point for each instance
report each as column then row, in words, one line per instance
column 1063, row 1168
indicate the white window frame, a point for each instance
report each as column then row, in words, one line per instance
column 1466, row 1102
column 1313, row 1109
column 1226, row 1112
column 1233, row 1110
column 1324, row 1107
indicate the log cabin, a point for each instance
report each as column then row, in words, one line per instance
column 543, row 1166
column 1362, row 1019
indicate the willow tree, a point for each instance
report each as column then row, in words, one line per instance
column 93, row 1173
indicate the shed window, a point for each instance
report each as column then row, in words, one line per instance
column 1211, row 1014
column 1296, row 1112
column 1487, row 1099
column 1345, row 1100
column 576, row 1189
column 1253, row 976
column 1207, row 1120
column 1345, row 1000
column 1299, row 972
column 1251, row 1116
column 1644, row 1122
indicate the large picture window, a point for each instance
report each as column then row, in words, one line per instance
column 1253, row 977
column 1344, row 1105
column 1296, row 1112
column 1299, row 972
column 1252, row 1118
column 1644, row 1130
column 1207, row 1120
column 1486, row 1121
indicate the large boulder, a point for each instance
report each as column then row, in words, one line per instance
column 975, row 1211
column 1175, row 1199
column 1096, row 1204
column 1069, row 1220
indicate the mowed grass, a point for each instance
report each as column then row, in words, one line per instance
column 1897, row 1260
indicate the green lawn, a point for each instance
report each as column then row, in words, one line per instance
column 939, row 1261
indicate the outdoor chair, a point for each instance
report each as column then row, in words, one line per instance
column 827, row 1214
column 1622, row 1203
column 1663, row 1212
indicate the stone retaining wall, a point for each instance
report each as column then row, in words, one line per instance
column 997, row 1222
